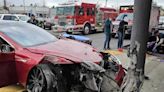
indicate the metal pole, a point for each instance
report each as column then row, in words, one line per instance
column 24, row 6
column 137, row 51
column 142, row 11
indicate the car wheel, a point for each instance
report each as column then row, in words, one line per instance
column 87, row 29
column 41, row 79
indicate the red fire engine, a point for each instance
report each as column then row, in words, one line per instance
column 84, row 17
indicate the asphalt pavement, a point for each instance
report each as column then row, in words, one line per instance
column 99, row 38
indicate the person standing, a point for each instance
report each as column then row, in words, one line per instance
column 33, row 20
column 107, row 31
column 121, row 32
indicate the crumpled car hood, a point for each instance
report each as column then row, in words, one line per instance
column 69, row 49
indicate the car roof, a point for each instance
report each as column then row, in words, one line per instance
column 14, row 14
column 6, row 25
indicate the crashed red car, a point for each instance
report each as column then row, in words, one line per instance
column 39, row 61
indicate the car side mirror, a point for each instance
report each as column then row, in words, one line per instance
column 5, row 48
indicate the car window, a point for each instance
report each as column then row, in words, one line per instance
column 93, row 12
column 88, row 11
column 81, row 11
column 29, row 35
column 14, row 18
column 24, row 18
column 7, row 17
column 3, row 42
column 122, row 15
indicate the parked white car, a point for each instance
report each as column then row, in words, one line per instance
column 14, row 17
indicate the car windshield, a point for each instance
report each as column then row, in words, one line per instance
column 29, row 35
column 122, row 15
column 65, row 10
column 24, row 18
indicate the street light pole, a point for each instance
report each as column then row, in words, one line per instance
column 137, row 52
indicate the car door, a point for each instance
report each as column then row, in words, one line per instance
column 7, row 66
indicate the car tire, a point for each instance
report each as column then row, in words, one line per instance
column 87, row 29
column 41, row 79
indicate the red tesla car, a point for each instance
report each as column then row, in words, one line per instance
column 34, row 58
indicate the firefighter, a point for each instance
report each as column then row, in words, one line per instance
column 107, row 31
column 121, row 32
column 33, row 20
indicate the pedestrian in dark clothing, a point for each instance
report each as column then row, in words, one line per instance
column 107, row 31
column 33, row 20
column 121, row 32
column 156, row 41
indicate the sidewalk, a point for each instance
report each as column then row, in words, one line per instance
column 154, row 69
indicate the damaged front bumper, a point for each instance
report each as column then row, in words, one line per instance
column 89, row 76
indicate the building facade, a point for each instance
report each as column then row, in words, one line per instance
column 38, row 11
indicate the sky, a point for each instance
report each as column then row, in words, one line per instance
column 111, row 3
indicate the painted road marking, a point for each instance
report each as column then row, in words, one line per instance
column 12, row 88
column 113, row 52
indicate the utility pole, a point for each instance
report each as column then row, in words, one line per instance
column 4, row 2
column 137, row 52
column 5, row 6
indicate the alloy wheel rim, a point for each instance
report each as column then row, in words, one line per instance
column 36, row 80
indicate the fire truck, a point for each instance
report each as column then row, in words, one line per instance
column 83, row 17
column 128, row 12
